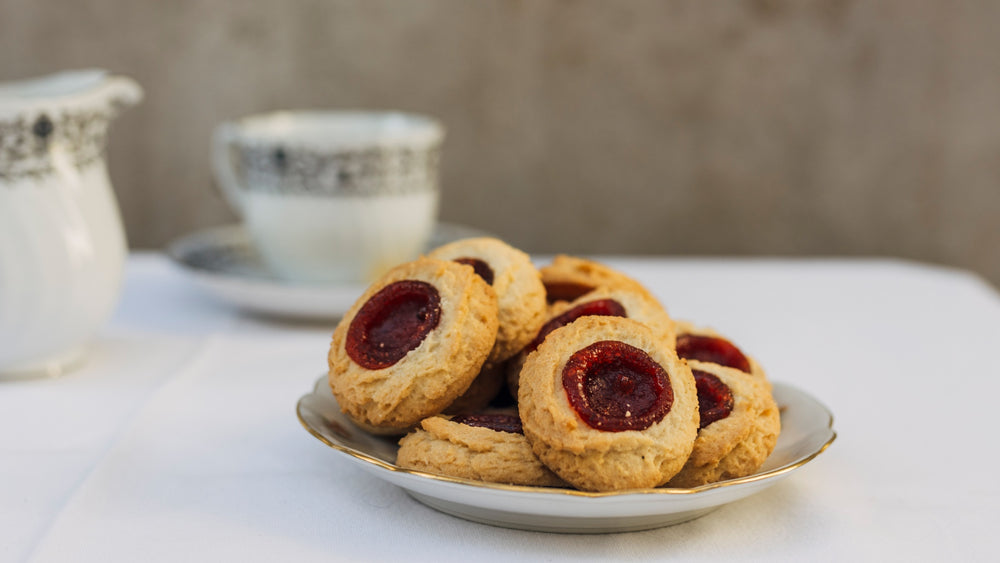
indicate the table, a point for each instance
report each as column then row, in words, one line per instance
column 178, row 439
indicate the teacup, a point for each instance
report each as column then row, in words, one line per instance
column 332, row 196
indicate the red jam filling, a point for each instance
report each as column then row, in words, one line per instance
column 711, row 349
column 715, row 398
column 565, row 291
column 499, row 422
column 394, row 321
column 614, row 386
column 482, row 268
column 600, row 307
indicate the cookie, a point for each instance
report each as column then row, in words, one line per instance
column 607, row 405
column 487, row 448
column 517, row 283
column 622, row 301
column 567, row 278
column 412, row 344
column 484, row 388
column 705, row 344
column 740, row 424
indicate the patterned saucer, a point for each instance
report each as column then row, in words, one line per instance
column 224, row 262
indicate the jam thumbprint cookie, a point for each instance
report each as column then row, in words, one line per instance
column 484, row 388
column 604, row 302
column 739, row 425
column 706, row 345
column 412, row 344
column 481, row 447
column 516, row 281
column 607, row 405
column 568, row 278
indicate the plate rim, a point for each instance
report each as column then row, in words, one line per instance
column 772, row 474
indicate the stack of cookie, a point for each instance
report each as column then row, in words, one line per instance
column 609, row 393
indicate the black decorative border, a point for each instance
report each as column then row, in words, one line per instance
column 25, row 141
column 377, row 171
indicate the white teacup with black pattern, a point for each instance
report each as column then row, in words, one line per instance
column 332, row 196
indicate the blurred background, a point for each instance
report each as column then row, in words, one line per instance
column 754, row 127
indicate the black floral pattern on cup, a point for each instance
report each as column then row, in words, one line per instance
column 376, row 171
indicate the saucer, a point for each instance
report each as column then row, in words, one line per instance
column 223, row 262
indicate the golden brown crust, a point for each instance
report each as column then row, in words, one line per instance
column 739, row 444
column 458, row 450
column 638, row 305
column 592, row 459
column 431, row 376
column 517, row 283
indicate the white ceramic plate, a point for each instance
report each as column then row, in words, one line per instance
column 807, row 430
column 224, row 262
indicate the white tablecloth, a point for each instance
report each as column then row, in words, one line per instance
column 178, row 439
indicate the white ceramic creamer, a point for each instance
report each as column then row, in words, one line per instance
column 62, row 244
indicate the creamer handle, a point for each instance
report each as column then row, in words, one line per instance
column 121, row 92
column 222, row 165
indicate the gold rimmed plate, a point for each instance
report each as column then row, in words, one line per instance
column 807, row 430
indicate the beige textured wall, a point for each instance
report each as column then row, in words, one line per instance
column 681, row 127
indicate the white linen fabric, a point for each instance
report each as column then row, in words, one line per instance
column 178, row 441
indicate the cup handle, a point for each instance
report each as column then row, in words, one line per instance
column 222, row 166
